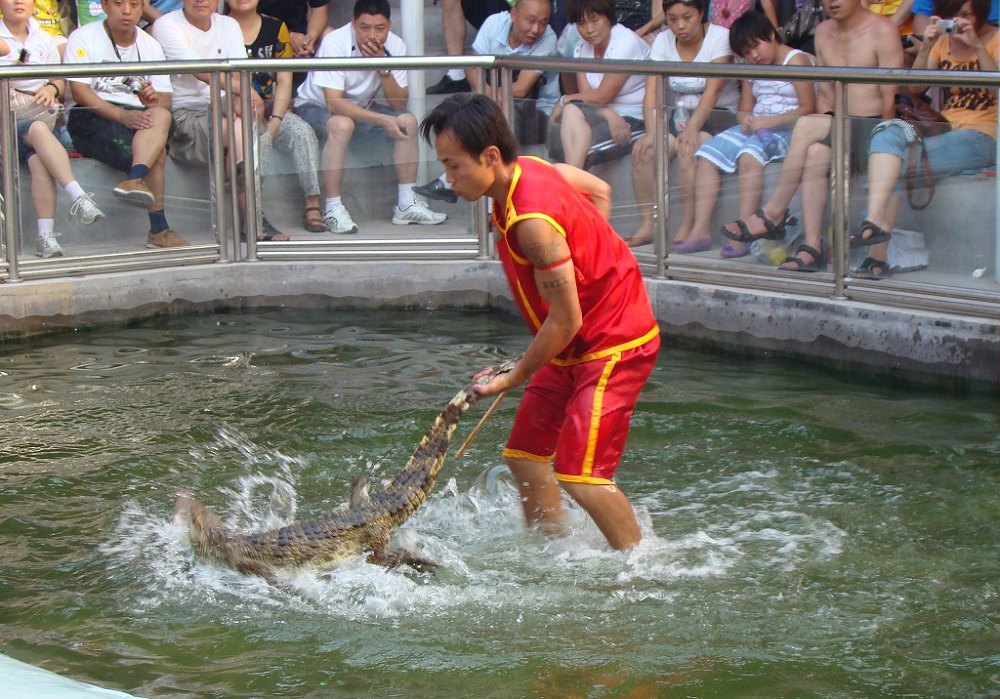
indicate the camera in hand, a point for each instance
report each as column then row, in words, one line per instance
column 135, row 83
column 947, row 25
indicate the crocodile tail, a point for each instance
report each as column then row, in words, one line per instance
column 208, row 533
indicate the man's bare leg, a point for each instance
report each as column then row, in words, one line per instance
column 339, row 130
column 610, row 510
column 541, row 497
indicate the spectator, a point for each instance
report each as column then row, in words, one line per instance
column 197, row 32
column 454, row 15
column 923, row 10
column 523, row 31
column 609, row 107
column 37, row 145
column 768, row 111
column 853, row 37
column 52, row 21
column 268, row 37
column 124, row 121
column 971, row 111
column 340, row 106
column 702, row 107
column 307, row 21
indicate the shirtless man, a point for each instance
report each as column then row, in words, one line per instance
column 853, row 37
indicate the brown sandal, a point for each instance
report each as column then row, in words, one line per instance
column 314, row 224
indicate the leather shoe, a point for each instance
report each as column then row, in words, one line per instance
column 435, row 189
column 447, row 86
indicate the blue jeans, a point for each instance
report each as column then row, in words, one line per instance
column 948, row 153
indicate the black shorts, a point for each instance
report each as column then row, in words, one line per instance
column 476, row 11
column 101, row 139
column 599, row 129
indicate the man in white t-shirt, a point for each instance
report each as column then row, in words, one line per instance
column 340, row 106
column 124, row 121
column 196, row 32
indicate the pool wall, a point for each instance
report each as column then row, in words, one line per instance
column 906, row 343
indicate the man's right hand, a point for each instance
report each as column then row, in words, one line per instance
column 136, row 119
column 395, row 128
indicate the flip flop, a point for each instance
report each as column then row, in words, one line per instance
column 729, row 250
column 878, row 235
column 689, row 246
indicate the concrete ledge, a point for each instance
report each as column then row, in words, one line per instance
column 844, row 332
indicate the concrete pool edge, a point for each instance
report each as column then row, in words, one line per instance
column 899, row 340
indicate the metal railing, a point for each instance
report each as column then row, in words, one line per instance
column 836, row 284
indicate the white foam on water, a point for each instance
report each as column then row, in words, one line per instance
column 489, row 563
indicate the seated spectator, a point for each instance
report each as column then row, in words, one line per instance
column 124, row 121
column 523, row 31
column 454, row 15
column 268, row 37
column 971, row 111
column 37, row 145
column 609, row 106
column 197, row 32
column 853, row 37
column 307, row 21
column 768, row 111
column 340, row 106
column 702, row 107
column 923, row 10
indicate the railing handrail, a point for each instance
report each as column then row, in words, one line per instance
column 649, row 67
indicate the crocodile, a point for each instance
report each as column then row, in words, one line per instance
column 364, row 524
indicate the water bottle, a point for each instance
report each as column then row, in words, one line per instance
column 769, row 141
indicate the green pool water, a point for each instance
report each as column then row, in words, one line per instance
column 807, row 534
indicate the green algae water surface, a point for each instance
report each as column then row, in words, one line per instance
column 806, row 535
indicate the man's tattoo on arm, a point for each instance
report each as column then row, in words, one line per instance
column 555, row 283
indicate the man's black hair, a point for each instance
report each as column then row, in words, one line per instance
column 372, row 7
column 477, row 123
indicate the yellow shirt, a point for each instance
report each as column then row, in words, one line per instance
column 887, row 8
column 968, row 107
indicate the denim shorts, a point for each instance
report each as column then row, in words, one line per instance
column 317, row 116
column 948, row 153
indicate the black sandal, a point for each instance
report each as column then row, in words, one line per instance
column 878, row 235
column 872, row 269
column 772, row 230
column 818, row 262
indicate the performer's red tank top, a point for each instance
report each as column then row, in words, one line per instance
column 616, row 310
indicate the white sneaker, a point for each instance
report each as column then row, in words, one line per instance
column 338, row 220
column 86, row 210
column 46, row 246
column 417, row 213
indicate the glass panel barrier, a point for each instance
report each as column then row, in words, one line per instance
column 366, row 167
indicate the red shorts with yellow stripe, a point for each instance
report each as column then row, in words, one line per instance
column 577, row 415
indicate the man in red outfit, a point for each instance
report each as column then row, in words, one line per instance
column 580, row 290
